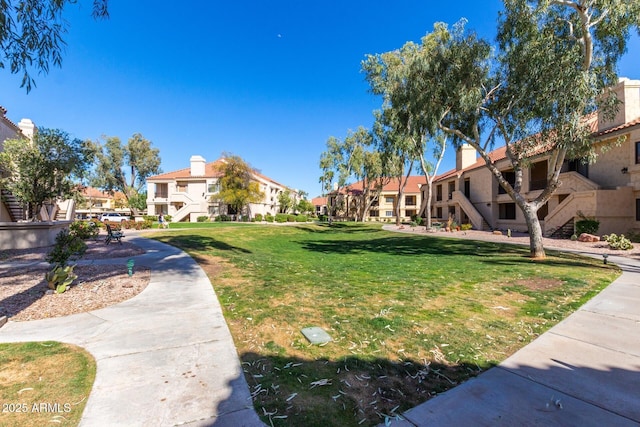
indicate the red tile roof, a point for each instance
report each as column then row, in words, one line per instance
column 210, row 171
column 627, row 125
column 413, row 184
column 319, row 201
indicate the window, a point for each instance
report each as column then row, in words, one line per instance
column 438, row 212
column 543, row 212
column 452, row 188
column 181, row 187
column 213, row 188
column 507, row 211
column 389, row 199
column 410, row 200
column 374, row 214
column 510, row 176
column 388, row 213
column 637, row 152
column 637, row 209
column 538, row 176
column 467, row 188
column 161, row 191
column 410, row 213
column 439, row 193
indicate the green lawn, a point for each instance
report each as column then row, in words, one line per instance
column 410, row 315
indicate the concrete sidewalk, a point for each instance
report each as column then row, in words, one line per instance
column 585, row 371
column 164, row 357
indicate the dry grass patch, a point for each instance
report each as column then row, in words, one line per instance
column 44, row 383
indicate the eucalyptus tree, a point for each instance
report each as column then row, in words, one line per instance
column 351, row 159
column 125, row 168
column 534, row 91
column 407, row 133
column 31, row 35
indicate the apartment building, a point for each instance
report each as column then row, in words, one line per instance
column 185, row 194
column 608, row 190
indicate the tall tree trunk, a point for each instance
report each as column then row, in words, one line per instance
column 535, row 231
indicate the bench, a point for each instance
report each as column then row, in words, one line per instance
column 116, row 235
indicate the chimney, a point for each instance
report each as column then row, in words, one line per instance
column 197, row 165
column 465, row 156
column 628, row 93
column 28, row 128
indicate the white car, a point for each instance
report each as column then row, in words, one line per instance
column 112, row 217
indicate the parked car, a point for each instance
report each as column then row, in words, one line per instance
column 112, row 217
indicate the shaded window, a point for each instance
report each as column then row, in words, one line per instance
column 452, row 188
column 507, row 211
column 538, row 176
column 439, row 213
column 439, row 193
column 410, row 212
column 388, row 213
column 162, row 190
column 543, row 211
column 389, row 199
column 637, row 209
column 467, row 188
column 374, row 213
column 637, row 152
column 510, row 176
column 410, row 200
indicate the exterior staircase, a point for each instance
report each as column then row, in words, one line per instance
column 13, row 206
column 563, row 232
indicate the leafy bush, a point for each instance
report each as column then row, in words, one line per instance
column 618, row 242
column 167, row 218
column 84, row 229
column 202, row 218
column 465, row 227
column 221, row 218
column 633, row 236
column 268, row 218
column 291, row 218
column 245, row 218
column 301, row 218
column 66, row 247
column 258, row 217
column 151, row 218
column 587, row 225
column 322, row 218
column 281, row 217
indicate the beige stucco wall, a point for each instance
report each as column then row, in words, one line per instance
column 24, row 235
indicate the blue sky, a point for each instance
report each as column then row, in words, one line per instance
column 269, row 81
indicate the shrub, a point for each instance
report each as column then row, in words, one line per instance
column 465, row 227
column 221, row 218
column 202, row 218
column 586, row 224
column 167, row 218
column 258, row 217
column 66, row 247
column 151, row 218
column 84, row 229
column 268, row 218
column 633, row 236
column 618, row 242
column 281, row 217
column 291, row 218
column 245, row 218
column 301, row 218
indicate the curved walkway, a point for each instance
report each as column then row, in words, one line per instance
column 165, row 357
column 585, row 371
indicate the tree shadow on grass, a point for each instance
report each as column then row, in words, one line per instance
column 339, row 228
column 560, row 393
column 415, row 246
column 200, row 243
column 296, row 391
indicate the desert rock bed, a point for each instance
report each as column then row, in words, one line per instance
column 23, row 289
